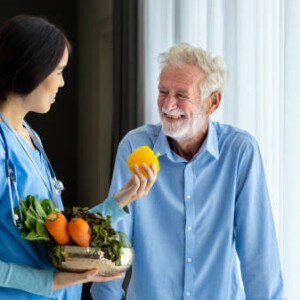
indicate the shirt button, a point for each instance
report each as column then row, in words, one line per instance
column 188, row 294
column 188, row 196
column 189, row 228
column 189, row 259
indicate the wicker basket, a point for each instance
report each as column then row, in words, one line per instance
column 80, row 259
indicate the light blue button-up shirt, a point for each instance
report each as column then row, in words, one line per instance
column 197, row 219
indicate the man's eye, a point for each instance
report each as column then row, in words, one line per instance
column 163, row 92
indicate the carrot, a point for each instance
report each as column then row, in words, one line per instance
column 80, row 231
column 57, row 225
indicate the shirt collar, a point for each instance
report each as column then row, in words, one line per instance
column 210, row 144
column 162, row 145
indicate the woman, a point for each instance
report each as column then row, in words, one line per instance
column 33, row 54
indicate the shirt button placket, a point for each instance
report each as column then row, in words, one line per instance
column 189, row 233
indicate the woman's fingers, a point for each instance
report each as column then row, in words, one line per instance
column 152, row 175
column 142, row 180
column 146, row 183
column 137, row 186
column 92, row 275
column 64, row 279
column 151, row 172
column 99, row 278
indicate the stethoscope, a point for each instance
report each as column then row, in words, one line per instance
column 56, row 185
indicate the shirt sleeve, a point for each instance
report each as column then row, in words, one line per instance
column 22, row 277
column 112, row 290
column 111, row 208
column 255, row 235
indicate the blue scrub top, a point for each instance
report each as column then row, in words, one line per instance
column 13, row 248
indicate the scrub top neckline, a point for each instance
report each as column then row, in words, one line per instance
column 36, row 150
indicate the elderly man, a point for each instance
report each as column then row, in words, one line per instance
column 210, row 203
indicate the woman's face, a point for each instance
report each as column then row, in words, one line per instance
column 41, row 98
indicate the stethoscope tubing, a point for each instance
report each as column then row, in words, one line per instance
column 11, row 180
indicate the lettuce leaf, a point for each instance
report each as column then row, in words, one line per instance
column 34, row 213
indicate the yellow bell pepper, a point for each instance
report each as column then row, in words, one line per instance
column 142, row 155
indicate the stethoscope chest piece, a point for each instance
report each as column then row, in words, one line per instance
column 58, row 185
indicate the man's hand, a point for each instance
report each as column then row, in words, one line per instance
column 64, row 279
column 137, row 186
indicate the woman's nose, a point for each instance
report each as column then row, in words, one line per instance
column 62, row 82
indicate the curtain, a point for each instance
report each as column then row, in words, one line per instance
column 125, row 115
column 290, row 204
column 127, row 111
column 259, row 41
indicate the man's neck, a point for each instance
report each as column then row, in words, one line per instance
column 187, row 148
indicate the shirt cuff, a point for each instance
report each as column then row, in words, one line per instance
column 111, row 208
column 22, row 278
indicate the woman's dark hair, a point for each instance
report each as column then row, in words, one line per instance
column 30, row 50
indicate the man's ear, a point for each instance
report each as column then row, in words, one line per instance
column 215, row 100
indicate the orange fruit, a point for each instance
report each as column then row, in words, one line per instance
column 142, row 155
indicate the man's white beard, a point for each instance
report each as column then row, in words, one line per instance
column 183, row 129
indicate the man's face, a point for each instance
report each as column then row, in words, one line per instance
column 179, row 101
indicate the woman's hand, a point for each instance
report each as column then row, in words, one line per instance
column 137, row 186
column 64, row 279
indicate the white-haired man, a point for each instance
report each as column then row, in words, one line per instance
column 210, row 201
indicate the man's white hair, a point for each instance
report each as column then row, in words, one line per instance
column 215, row 68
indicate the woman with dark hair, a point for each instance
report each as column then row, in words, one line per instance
column 33, row 54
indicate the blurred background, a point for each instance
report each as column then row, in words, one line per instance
column 111, row 87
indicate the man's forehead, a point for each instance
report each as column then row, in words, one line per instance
column 184, row 76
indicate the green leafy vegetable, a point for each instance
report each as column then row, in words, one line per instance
column 34, row 214
column 122, row 237
column 103, row 236
column 47, row 206
column 56, row 252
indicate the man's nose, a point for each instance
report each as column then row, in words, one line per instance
column 170, row 102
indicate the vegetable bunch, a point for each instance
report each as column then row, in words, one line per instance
column 42, row 223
